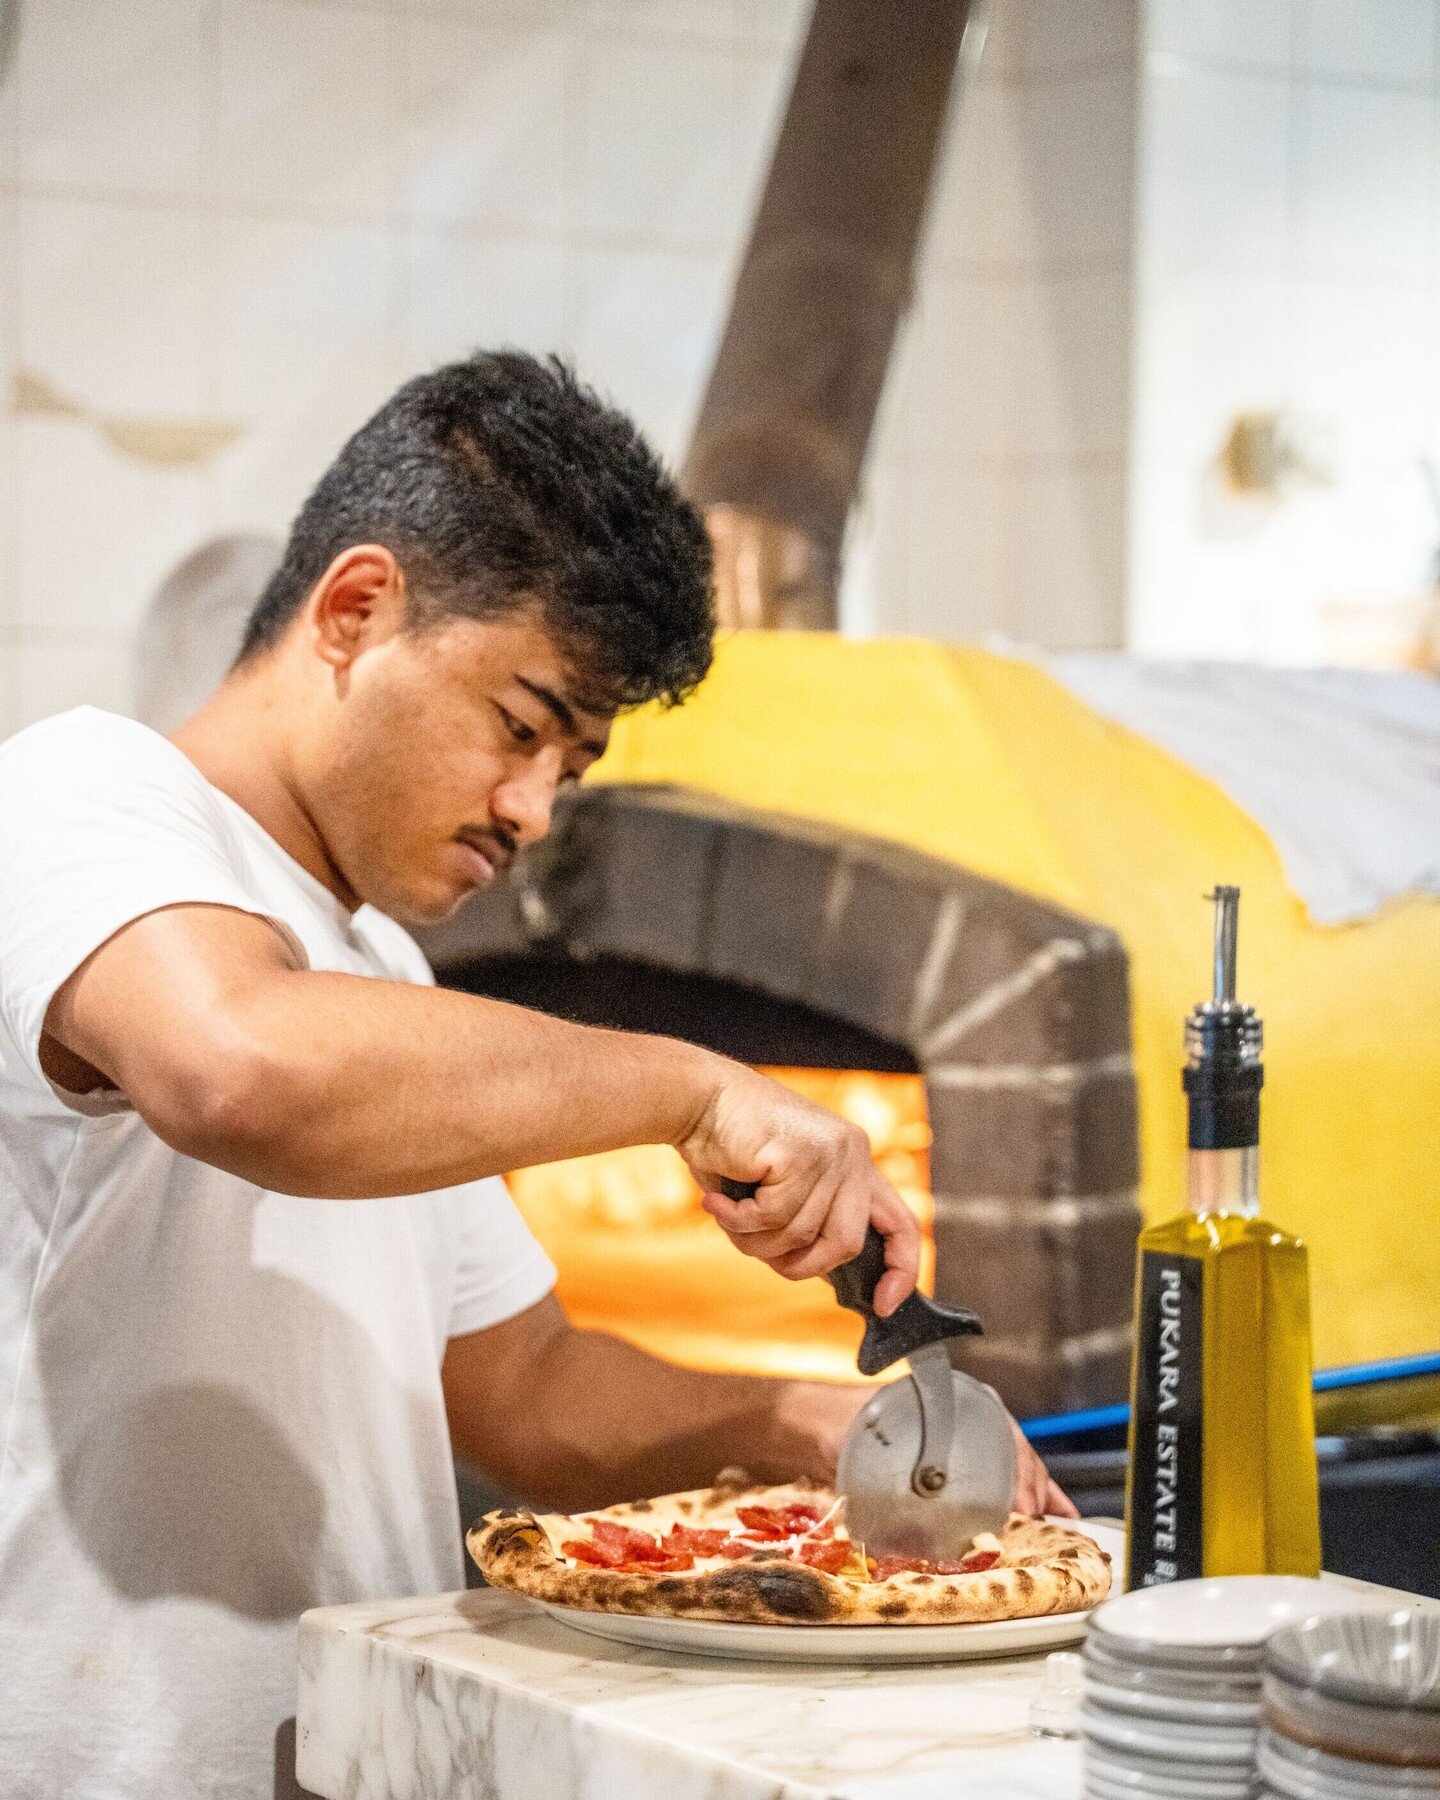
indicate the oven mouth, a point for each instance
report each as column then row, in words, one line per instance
column 636, row 1253
column 710, row 1010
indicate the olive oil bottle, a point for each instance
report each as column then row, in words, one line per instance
column 1222, row 1423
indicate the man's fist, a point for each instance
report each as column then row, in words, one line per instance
column 817, row 1187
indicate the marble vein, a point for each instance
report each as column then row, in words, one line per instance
column 484, row 1697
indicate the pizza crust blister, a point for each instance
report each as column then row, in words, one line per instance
column 1044, row 1568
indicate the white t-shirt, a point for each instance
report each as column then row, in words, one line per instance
column 218, row 1405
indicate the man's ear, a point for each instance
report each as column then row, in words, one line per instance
column 357, row 603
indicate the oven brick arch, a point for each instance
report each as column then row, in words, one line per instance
column 1016, row 1013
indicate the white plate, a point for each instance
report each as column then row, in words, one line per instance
column 846, row 1643
column 1144, row 1778
column 1101, row 1787
column 1228, row 1744
column 1195, row 1620
column 1298, row 1784
column 1167, row 1706
column 1298, row 1769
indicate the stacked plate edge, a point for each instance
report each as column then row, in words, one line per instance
column 1173, row 1684
column 1350, row 1708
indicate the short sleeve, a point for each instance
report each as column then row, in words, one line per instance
column 101, row 822
column 501, row 1268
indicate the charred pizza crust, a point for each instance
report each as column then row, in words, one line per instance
column 1045, row 1568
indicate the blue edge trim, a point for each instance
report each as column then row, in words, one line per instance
column 1102, row 1418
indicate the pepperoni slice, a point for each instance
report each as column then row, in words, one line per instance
column 624, row 1537
column 653, row 1561
column 829, row 1554
column 883, row 1567
column 763, row 1521
column 680, row 1538
column 603, row 1556
column 779, row 1521
column 664, row 1565
column 614, row 1546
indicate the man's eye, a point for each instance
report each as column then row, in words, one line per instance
column 518, row 729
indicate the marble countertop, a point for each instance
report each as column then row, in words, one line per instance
column 483, row 1696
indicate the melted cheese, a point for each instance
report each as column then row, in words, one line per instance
column 562, row 1528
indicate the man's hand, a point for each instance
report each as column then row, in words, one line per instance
column 818, row 1187
column 1035, row 1493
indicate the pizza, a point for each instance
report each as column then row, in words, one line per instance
column 779, row 1556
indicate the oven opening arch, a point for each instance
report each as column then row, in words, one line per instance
column 796, row 945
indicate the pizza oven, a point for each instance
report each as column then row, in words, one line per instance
column 981, row 1036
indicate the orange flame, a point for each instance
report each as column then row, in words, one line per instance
column 638, row 1255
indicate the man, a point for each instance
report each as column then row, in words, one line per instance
column 254, row 1247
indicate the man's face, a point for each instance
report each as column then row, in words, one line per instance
column 441, row 756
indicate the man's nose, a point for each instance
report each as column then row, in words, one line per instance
column 525, row 800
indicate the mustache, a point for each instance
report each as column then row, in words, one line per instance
column 493, row 841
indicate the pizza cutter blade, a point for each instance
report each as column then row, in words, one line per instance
column 930, row 1460
column 928, row 1463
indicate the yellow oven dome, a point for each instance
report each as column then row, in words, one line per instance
column 988, row 763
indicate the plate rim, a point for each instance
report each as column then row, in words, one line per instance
column 831, row 1632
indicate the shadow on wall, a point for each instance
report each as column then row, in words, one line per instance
column 192, row 629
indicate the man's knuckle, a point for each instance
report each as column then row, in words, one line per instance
column 851, row 1241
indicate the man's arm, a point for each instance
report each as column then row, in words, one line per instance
column 338, row 1086
column 575, row 1419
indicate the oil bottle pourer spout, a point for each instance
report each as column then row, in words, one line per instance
column 1227, row 923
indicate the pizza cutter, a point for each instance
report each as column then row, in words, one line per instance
column 930, row 1460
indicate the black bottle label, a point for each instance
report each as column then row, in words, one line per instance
column 1166, row 1438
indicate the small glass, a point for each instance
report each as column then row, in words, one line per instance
column 1055, row 1710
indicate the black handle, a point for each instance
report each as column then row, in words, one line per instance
column 917, row 1321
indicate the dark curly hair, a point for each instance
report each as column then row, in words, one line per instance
column 500, row 483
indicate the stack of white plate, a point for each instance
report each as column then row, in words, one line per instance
column 1351, row 1708
column 1172, row 1684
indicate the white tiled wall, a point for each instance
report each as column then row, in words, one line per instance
column 1152, row 218
column 995, row 492
column 1288, row 256
column 257, row 216
column 261, row 215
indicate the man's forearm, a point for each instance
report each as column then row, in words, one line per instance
column 338, row 1085
column 421, row 1087
column 599, row 1420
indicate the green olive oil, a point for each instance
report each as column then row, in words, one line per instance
column 1222, row 1436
